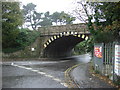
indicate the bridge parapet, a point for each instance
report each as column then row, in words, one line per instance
column 55, row 30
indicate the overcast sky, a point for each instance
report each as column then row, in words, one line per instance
column 51, row 5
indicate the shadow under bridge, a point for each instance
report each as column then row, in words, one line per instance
column 62, row 45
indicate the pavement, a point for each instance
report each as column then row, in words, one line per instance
column 84, row 79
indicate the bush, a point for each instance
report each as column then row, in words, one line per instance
column 11, row 50
column 84, row 47
column 24, row 38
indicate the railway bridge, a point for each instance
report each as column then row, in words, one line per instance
column 59, row 41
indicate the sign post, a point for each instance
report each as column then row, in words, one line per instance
column 98, row 56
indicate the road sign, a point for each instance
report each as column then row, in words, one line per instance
column 117, row 60
column 32, row 49
column 98, row 56
column 98, row 51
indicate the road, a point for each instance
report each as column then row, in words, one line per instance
column 39, row 74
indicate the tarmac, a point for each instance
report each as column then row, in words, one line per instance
column 83, row 78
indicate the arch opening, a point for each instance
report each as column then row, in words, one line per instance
column 62, row 46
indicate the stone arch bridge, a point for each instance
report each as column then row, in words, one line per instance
column 58, row 41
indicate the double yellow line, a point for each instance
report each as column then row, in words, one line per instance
column 70, row 82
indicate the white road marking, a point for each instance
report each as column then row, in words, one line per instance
column 34, row 70
column 49, row 76
column 42, row 73
column 28, row 68
column 56, row 79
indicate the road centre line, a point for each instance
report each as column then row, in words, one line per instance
column 56, row 79
column 42, row 73
column 34, row 70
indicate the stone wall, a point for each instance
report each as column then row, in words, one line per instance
column 63, row 28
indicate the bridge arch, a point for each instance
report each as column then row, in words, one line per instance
column 61, row 45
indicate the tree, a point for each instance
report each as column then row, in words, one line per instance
column 110, row 10
column 55, row 17
column 26, row 37
column 11, row 20
column 62, row 18
column 66, row 18
column 110, row 28
column 85, row 12
column 31, row 16
column 102, row 19
column 99, row 17
column 46, row 20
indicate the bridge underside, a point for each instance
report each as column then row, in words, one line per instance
column 62, row 47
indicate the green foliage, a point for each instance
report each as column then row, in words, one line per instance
column 117, row 81
column 66, row 18
column 24, row 38
column 62, row 18
column 106, row 26
column 46, row 20
column 84, row 47
column 110, row 11
column 11, row 20
column 97, row 71
column 55, row 17
column 80, row 48
column 11, row 50
column 107, row 31
column 31, row 16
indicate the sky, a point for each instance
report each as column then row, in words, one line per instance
column 51, row 5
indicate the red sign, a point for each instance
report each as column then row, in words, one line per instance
column 98, row 52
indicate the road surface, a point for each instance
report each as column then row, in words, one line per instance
column 39, row 74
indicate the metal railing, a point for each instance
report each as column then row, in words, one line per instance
column 105, row 65
column 108, row 62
